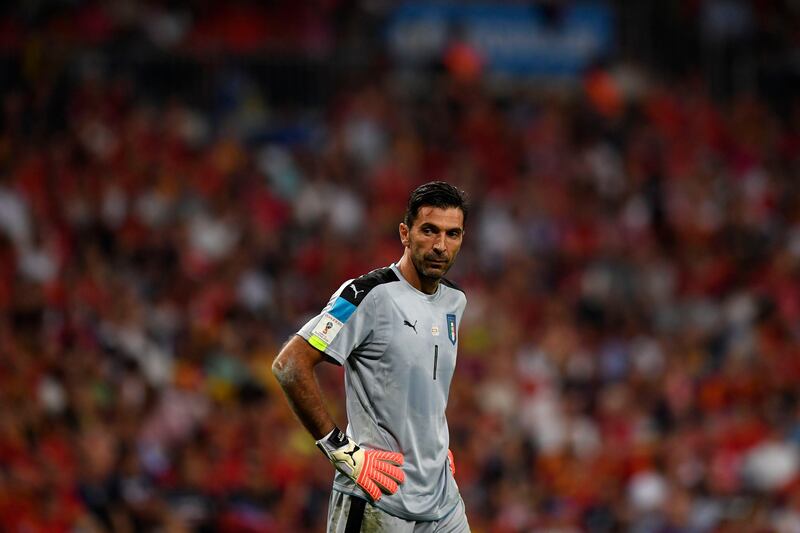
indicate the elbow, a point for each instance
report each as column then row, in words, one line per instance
column 292, row 364
column 279, row 369
column 287, row 369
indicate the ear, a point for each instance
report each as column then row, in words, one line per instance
column 404, row 231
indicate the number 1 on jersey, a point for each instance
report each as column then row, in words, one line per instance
column 435, row 359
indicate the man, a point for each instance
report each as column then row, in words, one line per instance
column 395, row 331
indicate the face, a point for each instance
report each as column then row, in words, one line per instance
column 434, row 239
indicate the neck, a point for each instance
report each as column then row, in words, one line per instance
column 412, row 275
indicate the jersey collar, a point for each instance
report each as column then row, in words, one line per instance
column 429, row 297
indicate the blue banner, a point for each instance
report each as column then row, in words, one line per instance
column 514, row 39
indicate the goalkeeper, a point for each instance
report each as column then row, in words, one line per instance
column 395, row 331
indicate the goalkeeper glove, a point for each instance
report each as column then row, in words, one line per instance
column 375, row 471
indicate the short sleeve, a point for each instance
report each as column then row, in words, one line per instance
column 343, row 324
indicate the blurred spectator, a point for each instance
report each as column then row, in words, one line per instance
column 630, row 354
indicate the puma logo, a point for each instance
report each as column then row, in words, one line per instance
column 412, row 326
column 355, row 291
column 351, row 453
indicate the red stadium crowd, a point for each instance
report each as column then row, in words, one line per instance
column 629, row 358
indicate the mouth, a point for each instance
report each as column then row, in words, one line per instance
column 440, row 263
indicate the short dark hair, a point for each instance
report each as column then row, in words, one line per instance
column 435, row 194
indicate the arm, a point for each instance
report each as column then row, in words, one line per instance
column 374, row 471
column 294, row 370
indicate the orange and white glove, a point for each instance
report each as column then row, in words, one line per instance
column 375, row 471
column 452, row 461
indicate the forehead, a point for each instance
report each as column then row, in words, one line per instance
column 441, row 217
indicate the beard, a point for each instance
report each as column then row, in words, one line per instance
column 432, row 265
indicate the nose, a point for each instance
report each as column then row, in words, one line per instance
column 440, row 244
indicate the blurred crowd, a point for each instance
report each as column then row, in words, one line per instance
column 629, row 358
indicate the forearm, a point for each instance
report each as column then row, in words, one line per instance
column 294, row 370
column 305, row 399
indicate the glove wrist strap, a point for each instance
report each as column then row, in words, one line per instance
column 332, row 441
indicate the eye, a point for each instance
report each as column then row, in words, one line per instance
column 427, row 231
column 453, row 233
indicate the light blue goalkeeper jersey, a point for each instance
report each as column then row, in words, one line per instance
column 398, row 348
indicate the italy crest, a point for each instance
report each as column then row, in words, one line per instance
column 451, row 328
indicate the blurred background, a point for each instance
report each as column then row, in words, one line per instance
column 184, row 183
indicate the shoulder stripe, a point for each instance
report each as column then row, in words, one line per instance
column 342, row 309
column 450, row 284
column 355, row 291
